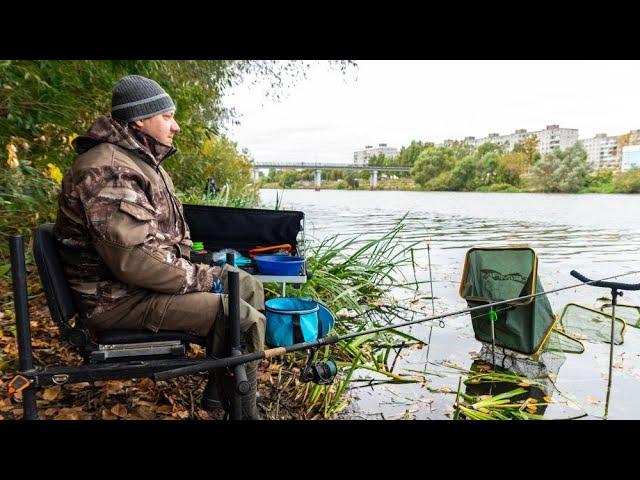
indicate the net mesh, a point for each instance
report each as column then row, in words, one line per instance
column 629, row 313
column 584, row 323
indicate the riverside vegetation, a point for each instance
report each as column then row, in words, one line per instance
column 489, row 168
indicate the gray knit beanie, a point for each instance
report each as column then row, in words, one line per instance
column 136, row 98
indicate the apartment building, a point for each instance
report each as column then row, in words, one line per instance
column 551, row 138
column 361, row 157
column 602, row 152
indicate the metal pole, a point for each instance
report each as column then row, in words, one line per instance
column 23, row 329
column 433, row 306
column 493, row 341
column 614, row 301
column 241, row 385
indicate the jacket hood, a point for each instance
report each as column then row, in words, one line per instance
column 107, row 130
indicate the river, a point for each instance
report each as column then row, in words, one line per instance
column 598, row 235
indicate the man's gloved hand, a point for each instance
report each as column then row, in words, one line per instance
column 217, row 286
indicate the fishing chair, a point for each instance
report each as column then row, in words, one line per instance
column 107, row 354
column 96, row 346
column 126, row 354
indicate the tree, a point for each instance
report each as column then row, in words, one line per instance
column 463, row 175
column 379, row 160
column 488, row 147
column 628, row 182
column 352, row 180
column 529, row 146
column 432, row 162
column 287, row 179
column 409, row 155
column 562, row 170
column 44, row 104
column 510, row 166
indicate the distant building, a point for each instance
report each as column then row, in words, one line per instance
column 362, row 157
column 550, row 138
column 602, row 152
column 630, row 157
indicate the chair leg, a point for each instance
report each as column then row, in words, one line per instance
column 23, row 328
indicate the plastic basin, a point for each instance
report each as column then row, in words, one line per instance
column 279, row 265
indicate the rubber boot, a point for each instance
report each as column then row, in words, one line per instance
column 249, row 405
column 210, row 396
column 226, row 385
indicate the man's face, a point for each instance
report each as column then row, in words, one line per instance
column 162, row 127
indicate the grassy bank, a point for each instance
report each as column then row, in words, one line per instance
column 354, row 278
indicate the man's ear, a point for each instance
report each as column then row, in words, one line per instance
column 139, row 123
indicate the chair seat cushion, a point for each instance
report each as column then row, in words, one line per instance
column 112, row 337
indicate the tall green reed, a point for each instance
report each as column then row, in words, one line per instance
column 359, row 276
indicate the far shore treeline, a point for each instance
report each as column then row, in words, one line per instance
column 460, row 167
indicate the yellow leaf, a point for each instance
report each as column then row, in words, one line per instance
column 592, row 400
column 51, row 393
column 532, row 408
column 71, row 138
column 484, row 410
column 12, row 156
column 53, row 172
column 548, row 399
column 524, row 383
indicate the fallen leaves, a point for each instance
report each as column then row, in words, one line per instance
column 73, row 413
column 119, row 410
column 107, row 415
column 51, row 393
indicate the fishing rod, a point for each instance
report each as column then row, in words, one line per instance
column 215, row 363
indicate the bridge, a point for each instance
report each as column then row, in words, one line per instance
column 318, row 167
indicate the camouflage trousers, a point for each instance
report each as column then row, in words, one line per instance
column 199, row 313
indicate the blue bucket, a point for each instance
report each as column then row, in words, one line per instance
column 280, row 265
column 295, row 320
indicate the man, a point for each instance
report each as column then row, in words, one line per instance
column 123, row 238
column 211, row 187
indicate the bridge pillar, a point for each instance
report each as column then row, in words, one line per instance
column 374, row 179
column 256, row 175
column 318, row 179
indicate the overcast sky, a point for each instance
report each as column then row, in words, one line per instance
column 328, row 116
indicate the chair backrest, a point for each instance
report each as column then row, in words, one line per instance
column 56, row 288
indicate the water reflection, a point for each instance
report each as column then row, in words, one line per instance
column 541, row 391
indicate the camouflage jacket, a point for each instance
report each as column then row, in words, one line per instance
column 120, row 226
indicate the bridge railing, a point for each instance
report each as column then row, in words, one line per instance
column 332, row 166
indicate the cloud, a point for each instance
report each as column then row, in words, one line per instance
column 327, row 117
